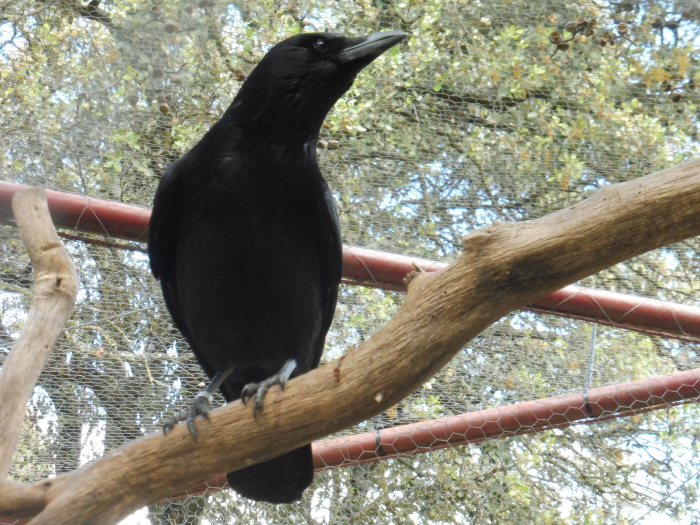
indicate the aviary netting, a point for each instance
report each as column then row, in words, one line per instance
column 473, row 120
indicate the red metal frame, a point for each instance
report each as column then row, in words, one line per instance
column 617, row 400
column 620, row 400
column 79, row 213
column 604, row 403
column 386, row 270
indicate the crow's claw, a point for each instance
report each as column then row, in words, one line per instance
column 199, row 407
column 257, row 392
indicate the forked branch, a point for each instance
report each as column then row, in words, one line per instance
column 504, row 267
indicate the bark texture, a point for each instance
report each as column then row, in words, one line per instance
column 55, row 289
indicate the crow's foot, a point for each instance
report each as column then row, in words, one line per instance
column 257, row 391
column 199, row 407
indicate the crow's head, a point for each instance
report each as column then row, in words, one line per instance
column 297, row 82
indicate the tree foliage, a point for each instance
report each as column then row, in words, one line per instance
column 471, row 120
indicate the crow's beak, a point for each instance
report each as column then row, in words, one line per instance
column 372, row 46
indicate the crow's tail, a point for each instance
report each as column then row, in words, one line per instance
column 278, row 480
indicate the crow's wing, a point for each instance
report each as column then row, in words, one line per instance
column 331, row 254
column 162, row 247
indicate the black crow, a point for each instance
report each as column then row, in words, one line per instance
column 245, row 238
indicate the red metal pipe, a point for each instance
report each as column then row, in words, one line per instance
column 608, row 402
column 604, row 403
column 519, row 418
column 677, row 321
column 79, row 213
column 387, row 270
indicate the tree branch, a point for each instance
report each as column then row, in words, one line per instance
column 55, row 290
column 504, row 267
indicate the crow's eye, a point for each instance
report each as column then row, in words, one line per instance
column 321, row 46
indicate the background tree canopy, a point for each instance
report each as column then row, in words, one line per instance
column 470, row 120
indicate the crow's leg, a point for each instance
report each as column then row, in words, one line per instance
column 199, row 407
column 258, row 390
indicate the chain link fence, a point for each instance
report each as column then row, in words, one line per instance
column 474, row 118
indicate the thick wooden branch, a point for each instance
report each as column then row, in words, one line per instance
column 55, row 289
column 504, row 267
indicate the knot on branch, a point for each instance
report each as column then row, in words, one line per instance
column 479, row 239
column 413, row 276
column 49, row 246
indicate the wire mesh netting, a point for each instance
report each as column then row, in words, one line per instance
column 500, row 110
